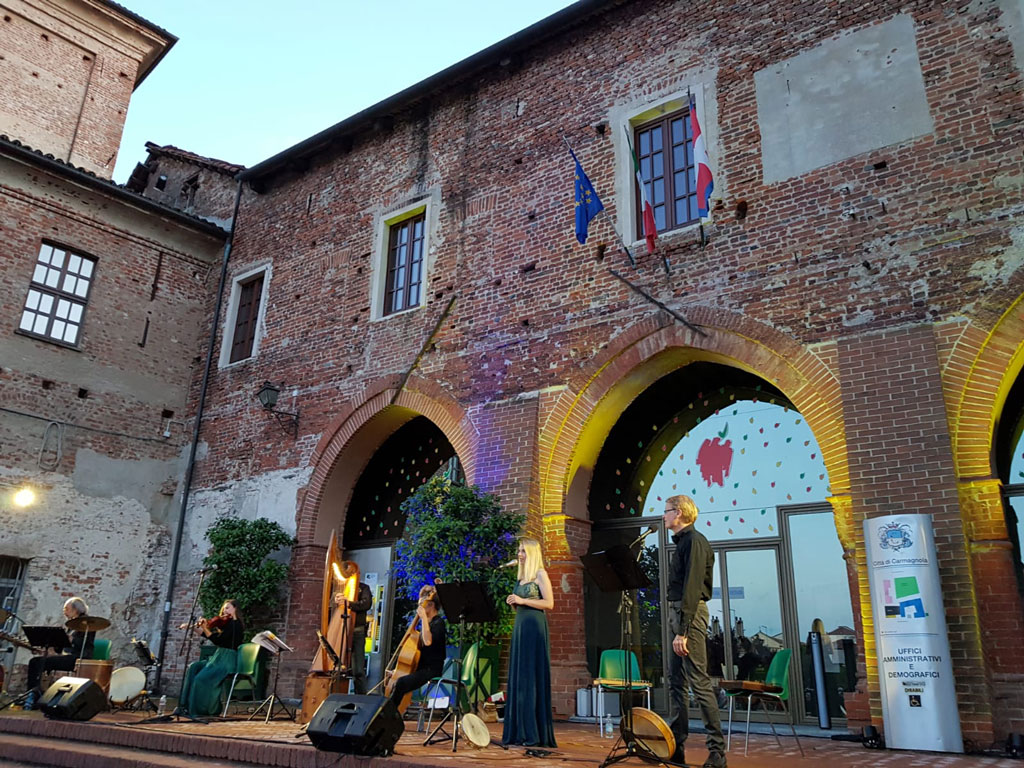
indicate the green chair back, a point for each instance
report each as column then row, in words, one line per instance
column 248, row 659
column 778, row 671
column 613, row 665
column 468, row 675
column 101, row 650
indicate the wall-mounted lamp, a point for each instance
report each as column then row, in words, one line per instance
column 267, row 396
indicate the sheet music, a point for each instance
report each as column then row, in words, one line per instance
column 270, row 641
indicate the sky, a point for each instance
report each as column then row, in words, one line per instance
column 250, row 78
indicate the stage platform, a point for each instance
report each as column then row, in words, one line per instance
column 116, row 740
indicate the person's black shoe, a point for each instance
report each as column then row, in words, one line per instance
column 678, row 757
column 715, row 760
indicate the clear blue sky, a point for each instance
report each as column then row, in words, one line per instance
column 249, row 78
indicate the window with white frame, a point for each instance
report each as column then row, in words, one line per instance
column 245, row 316
column 57, row 295
column 404, row 275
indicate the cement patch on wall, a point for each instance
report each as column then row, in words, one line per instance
column 851, row 94
column 139, row 479
column 1013, row 23
column 271, row 495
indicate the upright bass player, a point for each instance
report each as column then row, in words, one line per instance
column 431, row 646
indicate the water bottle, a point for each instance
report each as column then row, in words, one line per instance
column 162, row 706
column 609, row 731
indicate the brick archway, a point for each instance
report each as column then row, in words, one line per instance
column 585, row 410
column 419, row 397
column 579, row 418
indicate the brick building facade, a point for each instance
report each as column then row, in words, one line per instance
column 861, row 268
column 105, row 295
column 863, row 260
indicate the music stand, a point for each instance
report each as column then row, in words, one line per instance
column 276, row 646
column 617, row 570
column 47, row 637
column 466, row 601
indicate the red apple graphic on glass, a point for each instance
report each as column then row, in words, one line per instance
column 715, row 458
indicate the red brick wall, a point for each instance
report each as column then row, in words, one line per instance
column 537, row 313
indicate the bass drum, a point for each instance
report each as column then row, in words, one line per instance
column 475, row 731
column 125, row 684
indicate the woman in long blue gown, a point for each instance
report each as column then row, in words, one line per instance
column 528, row 709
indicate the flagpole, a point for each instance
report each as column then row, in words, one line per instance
column 659, row 304
column 611, row 219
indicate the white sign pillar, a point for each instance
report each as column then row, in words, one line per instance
column 914, row 669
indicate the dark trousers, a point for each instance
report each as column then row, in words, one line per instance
column 359, row 660
column 691, row 671
column 411, row 682
column 39, row 664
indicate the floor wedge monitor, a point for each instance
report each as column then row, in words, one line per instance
column 73, row 698
column 357, row 725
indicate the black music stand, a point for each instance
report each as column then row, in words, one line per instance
column 276, row 646
column 467, row 602
column 617, row 570
column 47, row 637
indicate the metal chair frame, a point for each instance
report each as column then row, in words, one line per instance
column 776, row 689
column 612, row 677
column 250, row 675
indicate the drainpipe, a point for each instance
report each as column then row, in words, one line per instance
column 190, row 471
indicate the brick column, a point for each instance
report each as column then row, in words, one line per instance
column 901, row 461
column 998, row 598
column 565, row 539
column 306, row 582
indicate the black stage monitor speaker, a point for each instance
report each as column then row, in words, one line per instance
column 73, row 698
column 354, row 724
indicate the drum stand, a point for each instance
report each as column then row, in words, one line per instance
column 617, row 571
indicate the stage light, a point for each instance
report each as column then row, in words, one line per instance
column 871, row 738
column 1015, row 745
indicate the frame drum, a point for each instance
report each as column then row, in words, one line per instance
column 475, row 731
column 651, row 733
column 126, row 683
column 97, row 670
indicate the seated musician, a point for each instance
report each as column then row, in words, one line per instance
column 200, row 691
column 432, row 646
column 66, row 658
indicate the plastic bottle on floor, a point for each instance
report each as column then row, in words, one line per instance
column 161, row 707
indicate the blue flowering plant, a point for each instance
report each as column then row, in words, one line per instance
column 454, row 533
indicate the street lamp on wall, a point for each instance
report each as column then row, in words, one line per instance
column 267, row 395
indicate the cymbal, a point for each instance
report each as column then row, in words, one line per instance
column 87, row 623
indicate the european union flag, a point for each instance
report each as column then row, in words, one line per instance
column 588, row 204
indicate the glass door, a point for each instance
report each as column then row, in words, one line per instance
column 747, row 626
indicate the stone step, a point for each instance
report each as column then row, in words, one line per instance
column 41, row 751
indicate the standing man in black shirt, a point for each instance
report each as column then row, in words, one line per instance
column 360, row 608
column 689, row 589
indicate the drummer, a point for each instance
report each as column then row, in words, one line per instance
column 81, row 646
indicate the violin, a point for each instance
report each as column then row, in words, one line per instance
column 407, row 657
column 217, row 622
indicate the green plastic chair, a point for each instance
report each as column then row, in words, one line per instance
column 459, row 688
column 775, row 688
column 611, row 676
column 101, row 650
column 248, row 670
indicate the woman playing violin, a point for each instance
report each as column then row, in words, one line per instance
column 433, row 632
column 200, row 693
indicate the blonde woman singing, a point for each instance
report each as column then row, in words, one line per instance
column 528, row 710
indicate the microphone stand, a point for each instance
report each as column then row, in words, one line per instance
column 181, row 711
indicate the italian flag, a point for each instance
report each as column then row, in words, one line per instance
column 650, row 229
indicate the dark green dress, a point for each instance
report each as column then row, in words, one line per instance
column 528, row 709
column 201, row 691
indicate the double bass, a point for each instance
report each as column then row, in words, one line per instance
column 407, row 657
column 325, row 677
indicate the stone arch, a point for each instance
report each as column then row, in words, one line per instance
column 372, row 418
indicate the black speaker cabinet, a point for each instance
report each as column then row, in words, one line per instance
column 354, row 724
column 73, row 698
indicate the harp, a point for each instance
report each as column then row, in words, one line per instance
column 325, row 676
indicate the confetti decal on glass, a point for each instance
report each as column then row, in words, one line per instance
column 740, row 462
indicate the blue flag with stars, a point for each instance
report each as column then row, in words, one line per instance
column 588, row 204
